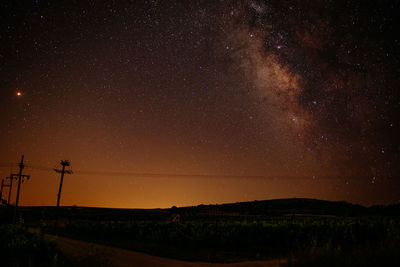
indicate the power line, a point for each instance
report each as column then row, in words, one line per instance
column 185, row 175
column 146, row 174
column 40, row 168
column 192, row 175
column 177, row 175
column 7, row 165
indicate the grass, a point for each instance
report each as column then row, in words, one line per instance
column 18, row 247
column 305, row 231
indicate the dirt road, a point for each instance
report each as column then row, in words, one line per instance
column 90, row 254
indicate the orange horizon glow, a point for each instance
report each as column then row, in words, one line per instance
column 155, row 113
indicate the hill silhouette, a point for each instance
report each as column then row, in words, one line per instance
column 258, row 208
column 291, row 206
column 295, row 206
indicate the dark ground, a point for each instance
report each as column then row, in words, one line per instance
column 308, row 232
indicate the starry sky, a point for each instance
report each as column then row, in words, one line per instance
column 162, row 103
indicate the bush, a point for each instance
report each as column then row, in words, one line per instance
column 280, row 238
column 18, row 247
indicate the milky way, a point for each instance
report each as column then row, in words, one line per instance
column 331, row 68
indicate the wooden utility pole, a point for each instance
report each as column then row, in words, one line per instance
column 11, row 177
column 64, row 163
column 21, row 167
column 1, row 191
column 20, row 176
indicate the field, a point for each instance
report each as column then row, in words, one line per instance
column 306, row 232
column 19, row 247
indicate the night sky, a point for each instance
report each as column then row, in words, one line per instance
column 162, row 103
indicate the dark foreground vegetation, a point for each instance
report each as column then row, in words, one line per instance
column 306, row 232
column 18, row 247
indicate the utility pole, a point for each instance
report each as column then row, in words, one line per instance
column 64, row 163
column 1, row 191
column 21, row 167
column 20, row 176
column 11, row 177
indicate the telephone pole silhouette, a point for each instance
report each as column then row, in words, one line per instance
column 1, row 191
column 11, row 177
column 20, row 177
column 64, row 163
